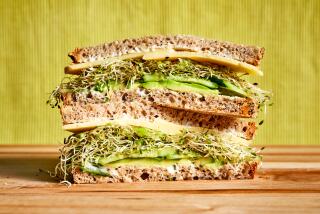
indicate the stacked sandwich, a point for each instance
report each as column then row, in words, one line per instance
column 159, row 108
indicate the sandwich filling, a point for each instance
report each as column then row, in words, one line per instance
column 102, row 150
column 181, row 75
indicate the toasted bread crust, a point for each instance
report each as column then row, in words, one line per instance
column 249, row 54
column 128, row 174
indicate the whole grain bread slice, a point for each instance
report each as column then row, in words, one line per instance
column 137, row 104
column 210, row 104
column 128, row 174
column 244, row 53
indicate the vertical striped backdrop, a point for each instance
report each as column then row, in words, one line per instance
column 35, row 37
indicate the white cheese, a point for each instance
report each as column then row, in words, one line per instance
column 237, row 66
column 170, row 54
column 228, row 135
column 125, row 120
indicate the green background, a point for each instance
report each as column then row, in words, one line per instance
column 35, row 37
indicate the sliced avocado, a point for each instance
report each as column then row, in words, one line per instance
column 180, row 155
column 187, row 87
column 178, row 83
column 208, row 163
column 110, row 85
column 217, row 80
column 94, row 170
column 155, row 77
column 152, row 85
column 203, row 82
column 162, row 153
column 143, row 162
column 144, row 132
column 228, row 87
column 110, row 158
column 150, row 162
column 145, row 154
column 154, row 153
column 141, row 131
column 167, row 151
column 113, row 85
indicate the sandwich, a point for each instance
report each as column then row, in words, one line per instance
column 160, row 108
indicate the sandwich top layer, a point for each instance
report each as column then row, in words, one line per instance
column 182, row 76
column 248, row 54
column 103, row 149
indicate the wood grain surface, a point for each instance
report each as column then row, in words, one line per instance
column 287, row 182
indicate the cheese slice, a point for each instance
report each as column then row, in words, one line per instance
column 158, row 124
column 237, row 66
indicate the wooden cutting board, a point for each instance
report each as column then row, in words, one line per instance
column 287, row 182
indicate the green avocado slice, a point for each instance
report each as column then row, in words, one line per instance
column 156, row 77
column 178, row 86
column 162, row 153
column 228, row 87
column 188, row 87
column 109, row 85
column 94, row 170
column 144, row 132
column 152, row 85
column 103, row 170
column 198, row 81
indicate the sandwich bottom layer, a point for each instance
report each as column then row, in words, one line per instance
column 117, row 153
column 128, row 174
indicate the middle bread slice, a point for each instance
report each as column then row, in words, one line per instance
column 165, row 110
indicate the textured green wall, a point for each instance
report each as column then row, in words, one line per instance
column 35, row 37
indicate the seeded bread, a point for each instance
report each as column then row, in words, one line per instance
column 249, row 54
column 128, row 103
column 212, row 105
column 128, row 174
column 189, row 101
